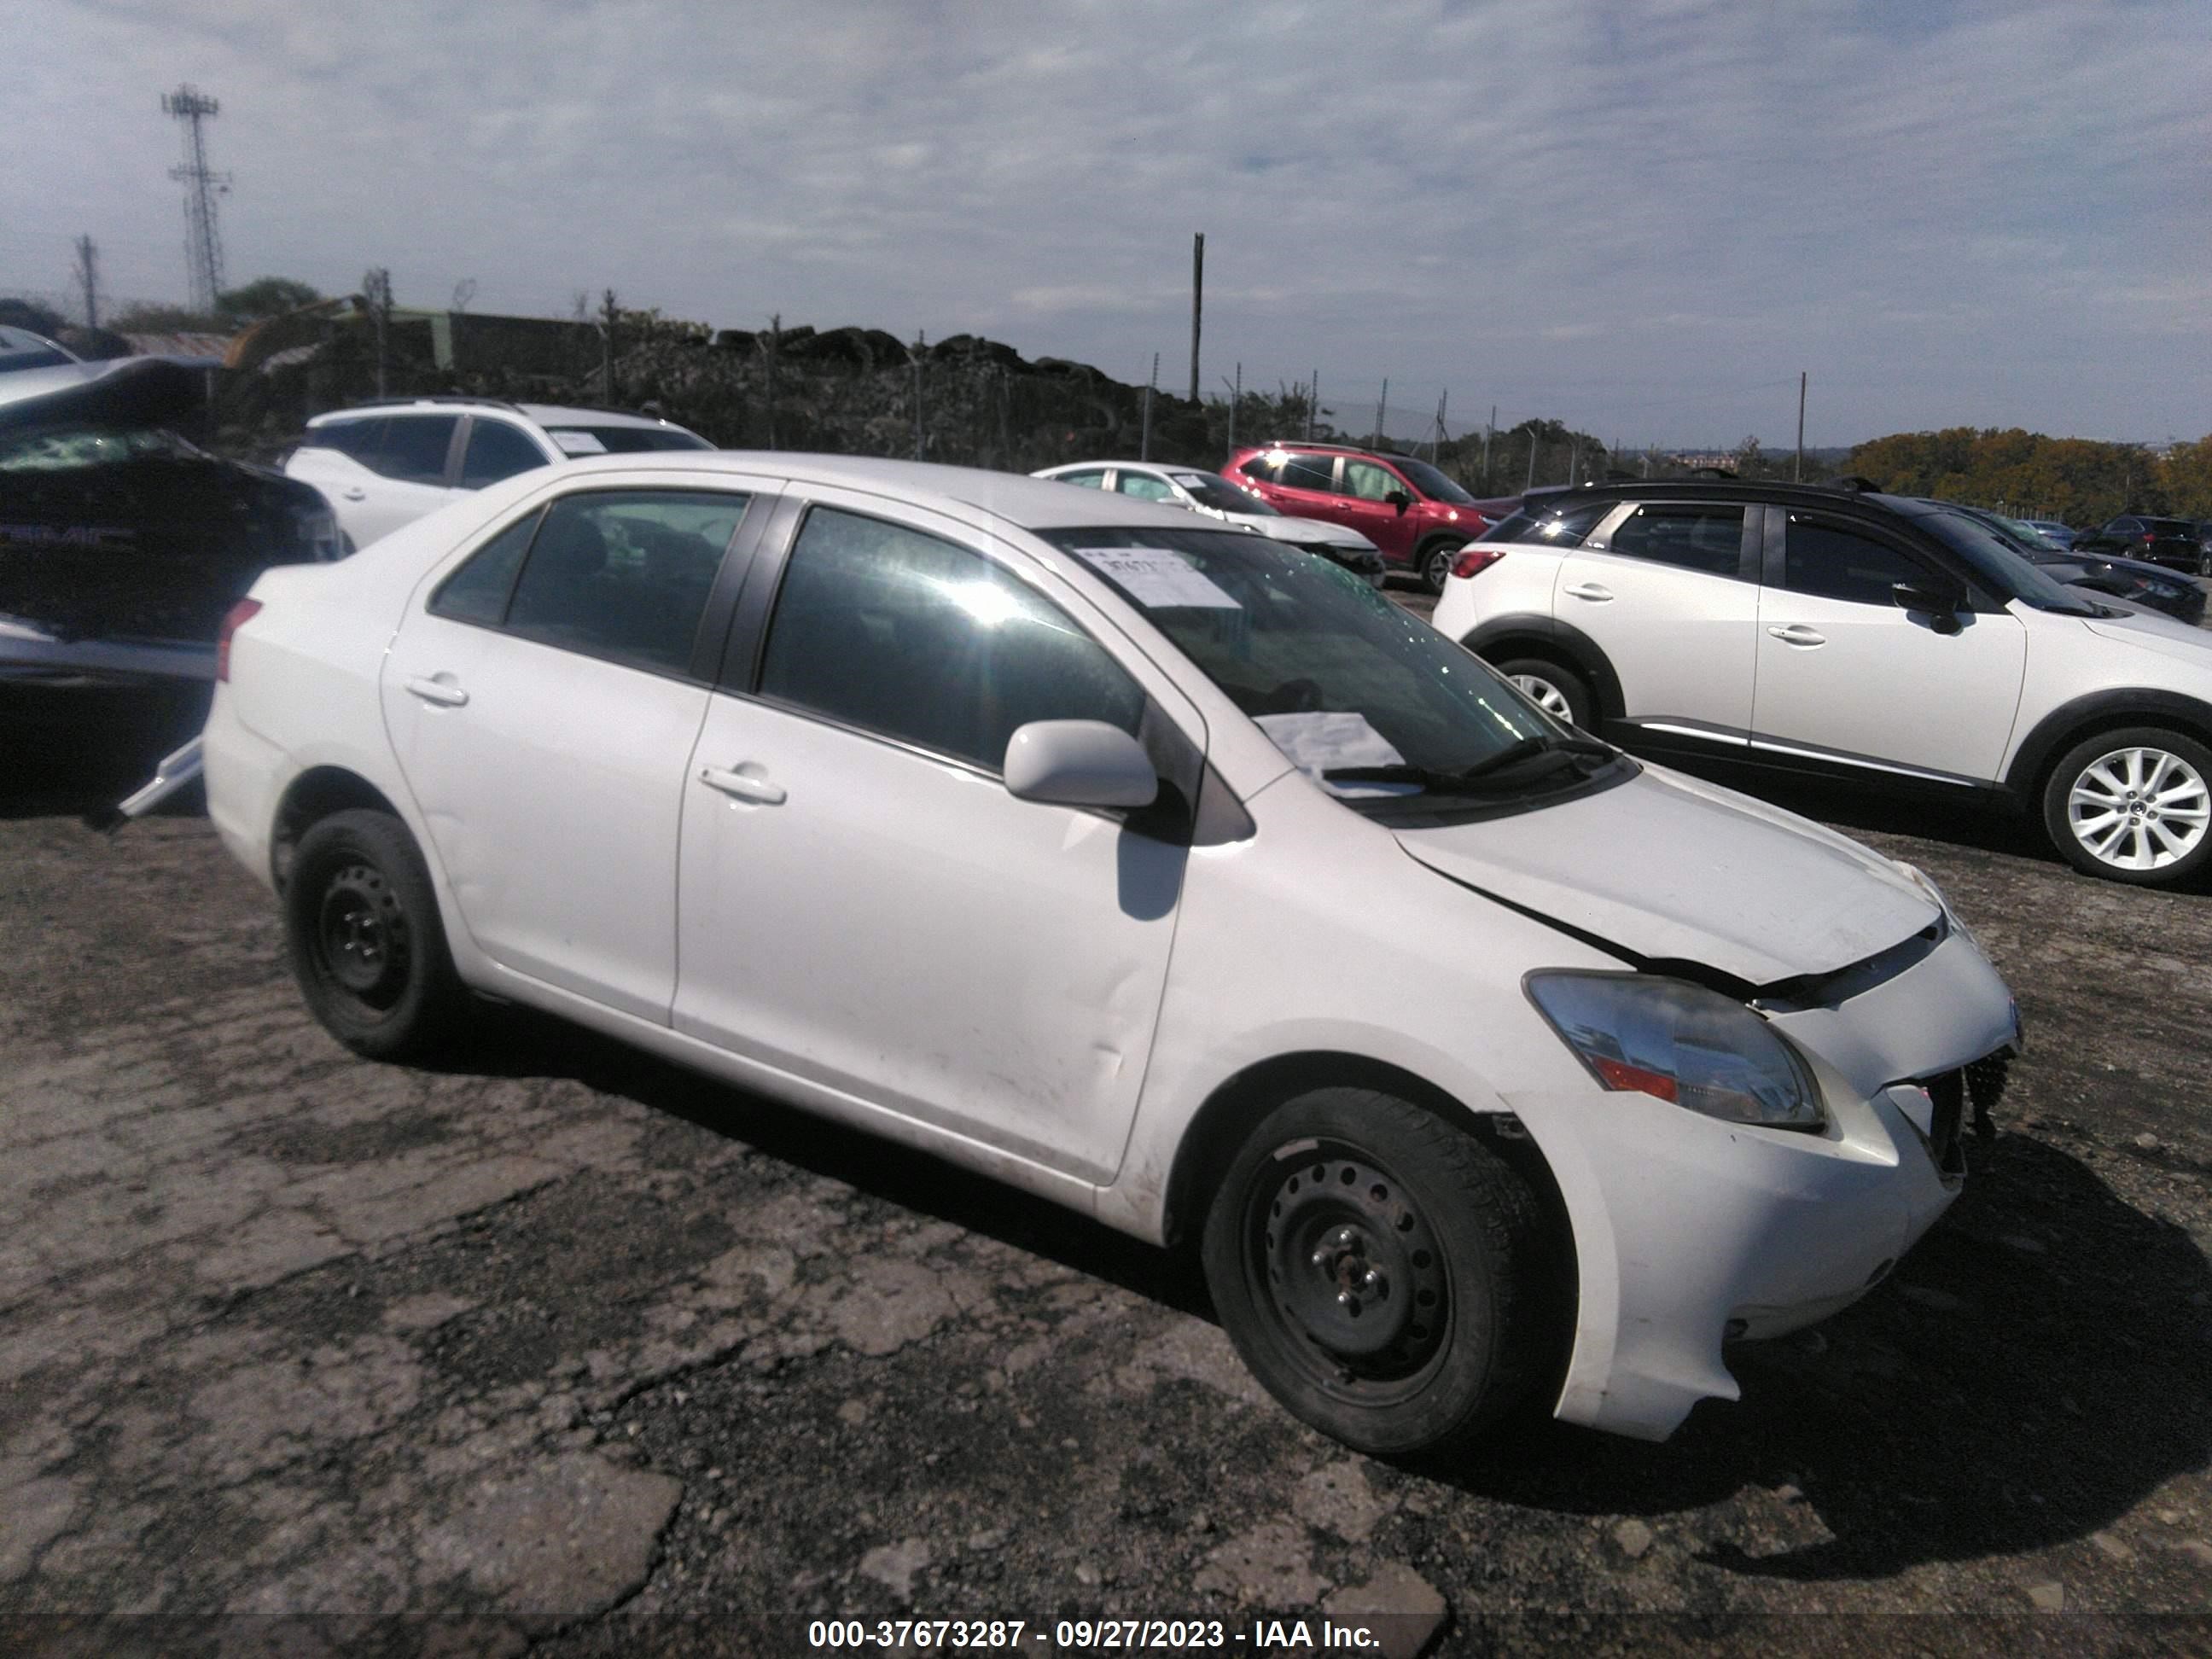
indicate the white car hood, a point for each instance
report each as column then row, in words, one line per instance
column 1671, row 869
column 1305, row 530
column 2167, row 635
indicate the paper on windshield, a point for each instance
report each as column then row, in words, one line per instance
column 578, row 443
column 1321, row 742
column 1158, row 579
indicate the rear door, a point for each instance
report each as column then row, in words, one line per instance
column 542, row 696
column 383, row 473
column 1668, row 591
column 1847, row 677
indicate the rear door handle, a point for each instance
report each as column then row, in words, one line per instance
column 743, row 785
column 1798, row 634
column 437, row 691
column 355, row 493
column 1592, row 591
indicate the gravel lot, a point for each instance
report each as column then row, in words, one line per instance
column 594, row 1356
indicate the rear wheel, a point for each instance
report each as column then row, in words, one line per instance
column 1377, row 1268
column 1559, row 692
column 2133, row 806
column 362, row 930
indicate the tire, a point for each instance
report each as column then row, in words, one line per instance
column 1559, row 692
column 364, row 938
column 1349, row 1205
column 1436, row 563
column 2132, row 806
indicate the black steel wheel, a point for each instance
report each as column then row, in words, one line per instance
column 1380, row 1271
column 364, row 935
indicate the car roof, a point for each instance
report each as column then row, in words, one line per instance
column 1729, row 489
column 544, row 414
column 1119, row 466
column 1026, row 503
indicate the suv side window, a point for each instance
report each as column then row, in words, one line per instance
column 415, row 447
column 1091, row 477
column 1261, row 468
column 897, row 632
column 1142, row 486
column 1309, row 472
column 495, row 451
column 1371, row 483
column 1708, row 538
column 625, row 574
column 1562, row 527
column 1834, row 562
column 359, row 439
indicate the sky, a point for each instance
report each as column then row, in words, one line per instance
column 1643, row 219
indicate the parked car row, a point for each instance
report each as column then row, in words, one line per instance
column 1149, row 863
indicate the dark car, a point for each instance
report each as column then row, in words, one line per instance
column 122, row 545
column 1417, row 516
column 2136, row 580
column 2172, row 542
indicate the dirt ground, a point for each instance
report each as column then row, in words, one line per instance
column 585, row 1354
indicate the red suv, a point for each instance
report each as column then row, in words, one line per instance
column 1418, row 518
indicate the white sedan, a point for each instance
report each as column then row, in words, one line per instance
column 1139, row 863
column 1214, row 496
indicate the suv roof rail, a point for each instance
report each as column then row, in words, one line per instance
column 428, row 398
column 1856, row 484
column 630, row 414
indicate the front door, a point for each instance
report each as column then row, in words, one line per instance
column 863, row 903
column 1367, row 507
column 543, row 703
column 1846, row 675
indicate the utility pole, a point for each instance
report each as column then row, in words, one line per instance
column 203, row 241
column 775, row 346
column 1145, row 441
column 88, row 278
column 1197, row 303
column 1313, row 406
column 464, row 291
column 1382, row 408
column 376, row 289
column 1531, row 484
column 920, row 343
column 607, row 345
column 1488, row 432
column 1797, row 469
column 1437, row 443
column 1236, row 397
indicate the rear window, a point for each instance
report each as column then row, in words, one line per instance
column 2170, row 526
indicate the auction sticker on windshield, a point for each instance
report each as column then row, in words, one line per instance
column 1157, row 579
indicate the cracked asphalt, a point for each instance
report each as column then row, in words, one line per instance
column 589, row 1355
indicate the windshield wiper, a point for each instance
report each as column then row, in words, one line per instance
column 1441, row 782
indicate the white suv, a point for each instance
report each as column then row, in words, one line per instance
column 1142, row 864
column 1836, row 632
column 386, row 463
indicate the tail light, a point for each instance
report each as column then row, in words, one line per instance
column 1476, row 559
column 244, row 612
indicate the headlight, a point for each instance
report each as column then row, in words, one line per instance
column 1680, row 1042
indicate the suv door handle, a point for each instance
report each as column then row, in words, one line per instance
column 355, row 493
column 437, row 691
column 743, row 786
column 1593, row 591
column 1798, row 634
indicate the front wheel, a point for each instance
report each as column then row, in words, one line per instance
column 2132, row 806
column 362, row 930
column 1559, row 692
column 1435, row 564
column 1379, row 1271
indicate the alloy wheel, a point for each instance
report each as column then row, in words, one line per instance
column 1545, row 695
column 2139, row 808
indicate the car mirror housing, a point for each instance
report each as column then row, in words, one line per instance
column 1399, row 499
column 1079, row 763
column 1943, row 604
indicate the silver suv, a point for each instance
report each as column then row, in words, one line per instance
column 384, row 464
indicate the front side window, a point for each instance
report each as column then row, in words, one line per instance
column 415, row 447
column 1383, row 710
column 904, row 634
column 1142, row 486
column 496, row 451
column 359, row 439
column 625, row 574
column 1690, row 538
column 1371, row 483
column 1831, row 561
column 1433, row 483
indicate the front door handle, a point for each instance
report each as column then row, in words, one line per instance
column 355, row 493
column 1592, row 591
column 742, row 785
column 438, row 691
column 1798, row 634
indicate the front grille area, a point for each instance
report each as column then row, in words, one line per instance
column 1948, row 1092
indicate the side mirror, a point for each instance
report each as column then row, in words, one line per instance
column 1079, row 763
column 1941, row 603
column 1399, row 499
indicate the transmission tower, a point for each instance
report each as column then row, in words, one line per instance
column 202, row 241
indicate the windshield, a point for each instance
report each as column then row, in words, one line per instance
column 1432, row 482
column 1222, row 497
column 71, row 449
column 622, row 440
column 2001, row 568
column 1374, row 704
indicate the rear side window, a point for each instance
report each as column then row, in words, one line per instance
column 359, row 439
column 415, row 449
column 1690, row 538
column 496, row 451
column 624, row 575
column 1090, row 478
column 1551, row 527
column 1834, row 562
column 478, row 592
column 1309, row 472
column 898, row 632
